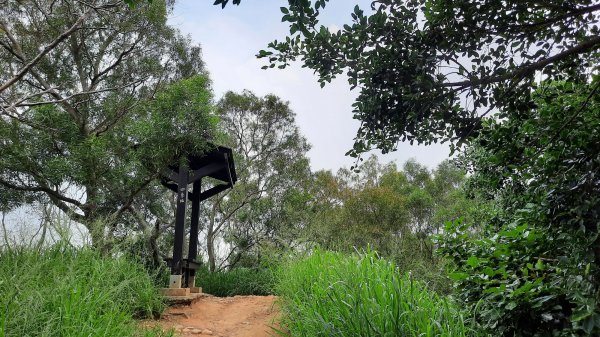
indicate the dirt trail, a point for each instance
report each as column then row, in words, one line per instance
column 239, row 316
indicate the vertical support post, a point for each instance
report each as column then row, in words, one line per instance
column 176, row 267
column 190, row 276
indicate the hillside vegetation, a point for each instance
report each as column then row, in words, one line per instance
column 63, row 291
column 332, row 294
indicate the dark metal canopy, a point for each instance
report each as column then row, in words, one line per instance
column 217, row 164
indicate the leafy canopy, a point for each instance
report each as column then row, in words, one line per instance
column 533, row 267
column 90, row 125
column 272, row 167
column 433, row 70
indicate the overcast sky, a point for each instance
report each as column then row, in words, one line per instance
column 230, row 39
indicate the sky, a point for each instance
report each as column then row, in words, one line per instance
column 230, row 39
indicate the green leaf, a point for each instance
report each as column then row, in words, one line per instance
column 539, row 265
column 458, row 276
column 473, row 261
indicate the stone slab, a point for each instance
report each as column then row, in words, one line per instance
column 183, row 300
column 175, row 291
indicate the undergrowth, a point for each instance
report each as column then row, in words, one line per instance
column 239, row 281
column 331, row 294
column 63, row 291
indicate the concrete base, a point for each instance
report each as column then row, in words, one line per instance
column 175, row 292
column 175, row 281
column 183, row 300
column 176, row 295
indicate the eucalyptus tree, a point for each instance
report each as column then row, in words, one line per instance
column 91, row 122
column 272, row 168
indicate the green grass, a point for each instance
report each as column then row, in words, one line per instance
column 63, row 291
column 330, row 294
column 239, row 281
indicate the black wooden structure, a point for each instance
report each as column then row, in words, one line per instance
column 217, row 164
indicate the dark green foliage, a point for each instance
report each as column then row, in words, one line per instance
column 223, row 3
column 88, row 128
column 238, row 281
column 332, row 294
column 534, row 268
column 431, row 70
column 512, row 282
column 62, row 291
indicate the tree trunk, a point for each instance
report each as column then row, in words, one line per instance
column 97, row 236
column 210, row 247
column 100, row 241
column 153, row 242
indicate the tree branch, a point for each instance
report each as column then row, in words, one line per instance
column 21, row 103
column 74, row 113
column 132, row 196
column 591, row 44
column 57, row 199
column 574, row 12
column 45, row 51
column 122, row 55
column 50, row 192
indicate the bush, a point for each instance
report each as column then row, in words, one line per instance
column 330, row 294
column 239, row 281
column 62, row 291
column 516, row 284
column 532, row 266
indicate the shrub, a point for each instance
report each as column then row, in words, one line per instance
column 239, row 281
column 519, row 280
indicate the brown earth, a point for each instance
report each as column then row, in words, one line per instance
column 239, row 316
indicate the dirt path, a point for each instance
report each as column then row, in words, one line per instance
column 239, row 316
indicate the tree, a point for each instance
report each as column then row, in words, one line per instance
column 433, row 70
column 534, row 267
column 394, row 212
column 89, row 126
column 485, row 74
column 271, row 164
column 31, row 56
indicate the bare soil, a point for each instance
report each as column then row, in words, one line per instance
column 239, row 316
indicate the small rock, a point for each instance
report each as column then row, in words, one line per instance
column 196, row 331
column 207, row 332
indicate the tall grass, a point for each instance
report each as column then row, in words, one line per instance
column 330, row 294
column 239, row 281
column 62, row 291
